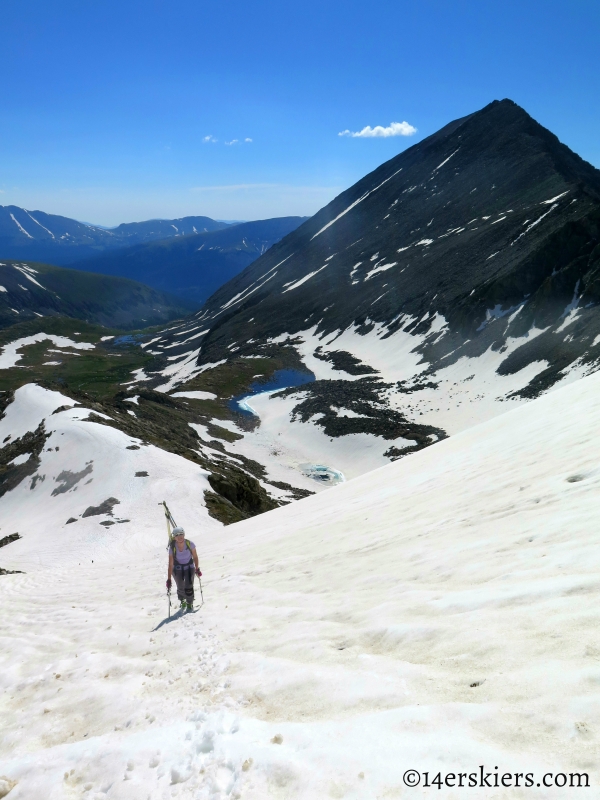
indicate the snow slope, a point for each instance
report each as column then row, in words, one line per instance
column 435, row 614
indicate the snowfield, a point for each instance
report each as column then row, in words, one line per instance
column 436, row 614
column 467, row 393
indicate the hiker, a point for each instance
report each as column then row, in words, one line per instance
column 183, row 564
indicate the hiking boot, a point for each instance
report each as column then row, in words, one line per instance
column 190, row 606
column 183, row 606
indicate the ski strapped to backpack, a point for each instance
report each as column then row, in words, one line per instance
column 170, row 525
column 170, row 522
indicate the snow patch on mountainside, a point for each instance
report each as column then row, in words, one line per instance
column 20, row 227
column 354, row 204
column 470, row 391
column 10, row 356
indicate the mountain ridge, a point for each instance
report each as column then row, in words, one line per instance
column 29, row 290
column 193, row 266
column 52, row 238
column 325, row 222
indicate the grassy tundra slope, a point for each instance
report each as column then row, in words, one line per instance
column 29, row 290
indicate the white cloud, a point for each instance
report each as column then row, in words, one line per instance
column 211, row 138
column 394, row 129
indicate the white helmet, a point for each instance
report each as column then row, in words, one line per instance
column 178, row 532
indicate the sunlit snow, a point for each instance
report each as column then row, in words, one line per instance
column 344, row 638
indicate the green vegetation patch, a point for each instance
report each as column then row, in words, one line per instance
column 236, row 375
column 58, row 326
column 99, row 372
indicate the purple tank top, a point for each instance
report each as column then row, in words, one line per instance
column 184, row 556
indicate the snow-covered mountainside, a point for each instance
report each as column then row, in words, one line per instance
column 37, row 236
column 29, row 290
column 435, row 615
column 458, row 280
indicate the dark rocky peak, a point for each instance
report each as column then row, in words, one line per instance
column 490, row 215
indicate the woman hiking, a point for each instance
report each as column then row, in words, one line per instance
column 183, row 564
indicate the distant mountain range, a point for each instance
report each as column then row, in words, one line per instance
column 29, row 290
column 193, row 266
column 190, row 257
column 37, row 236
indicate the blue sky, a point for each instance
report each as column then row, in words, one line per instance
column 105, row 106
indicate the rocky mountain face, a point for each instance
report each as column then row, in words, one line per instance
column 29, row 291
column 455, row 281
column 196, row 265
column 50, row 238
column 490, row 214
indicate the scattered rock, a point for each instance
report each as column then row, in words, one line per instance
column 6, row 785
column 69, row 479
column 12, row 537
column 297, row 494
column 344, row 362
column 105, row 507
column 70, row 520
column 243, row 491
column 32, row 443
column 66, row 408
column 35, row 479
column 247, row 764
column 365, row 398
column 132, row 447
column 142, row 474
column 277, row 739
column 107, row 522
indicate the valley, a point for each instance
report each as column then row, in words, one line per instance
column 193, row 266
